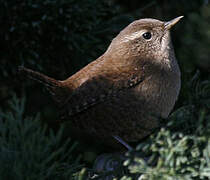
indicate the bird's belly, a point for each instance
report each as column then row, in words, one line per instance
column 132, row 115
column 160, row 93
column 124, row 115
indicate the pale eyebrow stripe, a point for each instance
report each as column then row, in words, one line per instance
column 133, row 36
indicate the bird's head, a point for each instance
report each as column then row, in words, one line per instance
column 145, row 38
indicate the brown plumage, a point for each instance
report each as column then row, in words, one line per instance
column 121, row 92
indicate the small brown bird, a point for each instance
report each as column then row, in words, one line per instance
column 121, row 93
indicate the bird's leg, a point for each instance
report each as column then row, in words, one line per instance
column 120, row 140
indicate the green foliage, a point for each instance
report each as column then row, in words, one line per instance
column 177, row 157
column 27, row 152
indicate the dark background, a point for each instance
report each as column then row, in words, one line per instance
column 58, row 37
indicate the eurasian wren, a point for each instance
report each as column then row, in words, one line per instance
column 121, row 92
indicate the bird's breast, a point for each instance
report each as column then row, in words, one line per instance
column 159, row 92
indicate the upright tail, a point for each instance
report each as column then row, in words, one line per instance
column 52, row 85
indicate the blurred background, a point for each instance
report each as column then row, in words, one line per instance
column 59, row 37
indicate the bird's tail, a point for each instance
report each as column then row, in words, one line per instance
column 52, row 85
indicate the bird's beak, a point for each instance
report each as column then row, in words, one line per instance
column 171, row 23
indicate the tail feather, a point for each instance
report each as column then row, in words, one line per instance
column 52, row 85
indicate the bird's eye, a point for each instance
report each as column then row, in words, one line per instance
column 147, row 35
